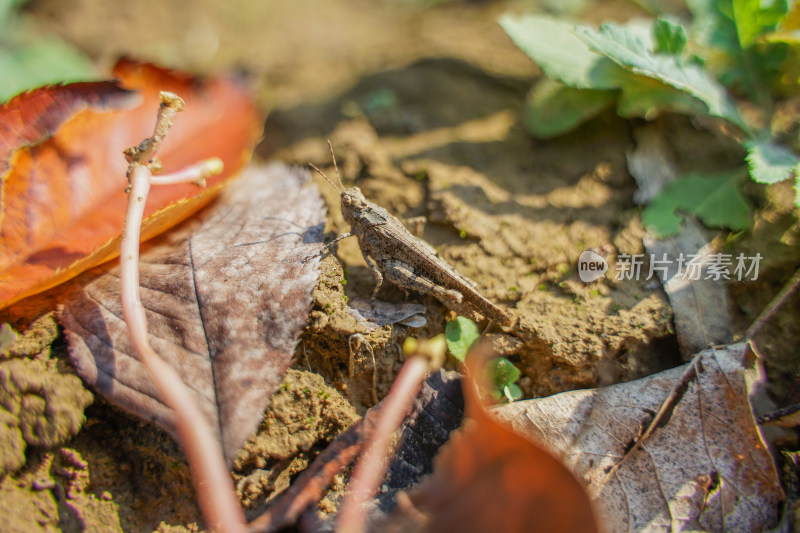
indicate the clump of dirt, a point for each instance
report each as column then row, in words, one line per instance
column 41, row 401
column 53, row 493
column 304, row 414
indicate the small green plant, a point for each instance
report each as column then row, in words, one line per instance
column 501, row 375
column 29, row 58
column 460, row 335
column 747, row 47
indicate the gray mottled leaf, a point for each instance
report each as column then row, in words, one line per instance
column 226, row 295
column 703, row 468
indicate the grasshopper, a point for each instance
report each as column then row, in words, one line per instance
column 393, row 252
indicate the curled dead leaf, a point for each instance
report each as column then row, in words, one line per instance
column 62, row 174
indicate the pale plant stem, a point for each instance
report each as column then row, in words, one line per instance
column 212, row 480
column 196, row 173
column 371, row 468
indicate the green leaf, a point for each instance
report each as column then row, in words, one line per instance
column 731, row 30
column 461, row 334
column 561, row 55
column 631, row 52
column 670, row 37
column 512, row 392
column 716, row 199
column 645, row 97
column 753, row 18
column 553, row 108
column 501, row 372
column 39, row 64
column 770, row 162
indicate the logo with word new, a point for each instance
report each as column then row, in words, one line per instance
column 591, row 266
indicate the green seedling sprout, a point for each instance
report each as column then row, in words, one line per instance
column 501, row 374
column 461, row 334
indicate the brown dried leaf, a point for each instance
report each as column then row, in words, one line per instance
column 704, row 467
column 225, row 304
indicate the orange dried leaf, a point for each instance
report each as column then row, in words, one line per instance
column 62, row 172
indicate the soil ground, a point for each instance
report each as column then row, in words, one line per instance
column 422, row 101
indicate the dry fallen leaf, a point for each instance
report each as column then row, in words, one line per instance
column 703, row 468
column 62, row 173
column 489, row 478
column 225, row 305
column 373, row 314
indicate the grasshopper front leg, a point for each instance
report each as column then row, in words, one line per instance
column 375, row 272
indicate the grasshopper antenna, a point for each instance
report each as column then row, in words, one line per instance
column 335, row 166
column 312, row 165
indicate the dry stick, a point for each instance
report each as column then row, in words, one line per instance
column 674, row 397
column 370, row 470
column 308, row 488
column 212, row 479
column 773, row 306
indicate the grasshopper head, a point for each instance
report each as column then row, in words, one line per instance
column 353, row 201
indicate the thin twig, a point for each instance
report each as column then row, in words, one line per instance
column 212, row 479
column 309, row 487
column 371, row 468
column 773, row 306
column 666, row 406
column 197, row 173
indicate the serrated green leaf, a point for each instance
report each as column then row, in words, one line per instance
column 562, row 56
column 40, row 64
column 770, row 162
column 631, row 52
column 7, row 11
column 716, row 199
column 753, row 18
column 670, row 38
column 731, row 30
column 552, row 108
column 460, row 335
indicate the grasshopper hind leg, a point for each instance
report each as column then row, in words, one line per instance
column 404, row 276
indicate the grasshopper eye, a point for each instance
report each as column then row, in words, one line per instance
column 347, row 200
